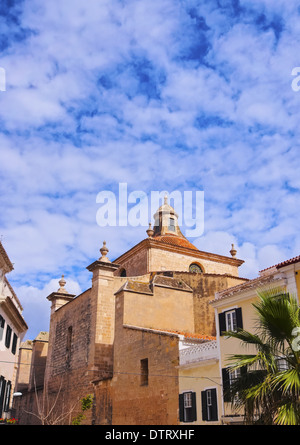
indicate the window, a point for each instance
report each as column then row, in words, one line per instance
column 5, row 389
column 229, row 377
column 187, row 399
column 209, row 405
column 234, row 374
column 2, row 393
column 282, row 364
column 14, row 344
column 7, row 396
column 187, row 407
column 123, row 273
column 2, row 323
column 195, row 268
column 144, row 372
column 230, row 320
column 8, row 336
column 171, row 224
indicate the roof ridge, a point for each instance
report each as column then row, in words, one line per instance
column 283, row 263
column 190, row 335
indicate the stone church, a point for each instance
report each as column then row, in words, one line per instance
column 119, row 340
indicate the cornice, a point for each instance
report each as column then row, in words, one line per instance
column 155, row 244
column 14, row 315
column 5, row 262
column 247, row 290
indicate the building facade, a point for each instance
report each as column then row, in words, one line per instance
column 234, row 309
column 204, row 376
column 12, row 330
column 146, row 339
column 121, row 339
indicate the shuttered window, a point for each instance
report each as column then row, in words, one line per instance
column 14, row 344
column 8, row 336
column 230, row 320
column 228, row 379
column 226, row 385
column 209, row 405
column 7, row 396
column 187, row 407
column 2, row 393
column 2, row 323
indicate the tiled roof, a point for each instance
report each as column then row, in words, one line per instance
column 296, row 259
column 174, row 240
column 194, row 336
column 187, row 335
column 254, row 283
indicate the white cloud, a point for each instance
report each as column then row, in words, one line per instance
column 255, row 258
column 36, row 307
column 157, row 94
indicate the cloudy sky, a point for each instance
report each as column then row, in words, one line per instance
column 185, row 95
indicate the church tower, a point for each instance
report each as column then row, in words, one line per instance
column 166, row 221
column 167, row 249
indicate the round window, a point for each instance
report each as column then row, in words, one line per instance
column 195, row 268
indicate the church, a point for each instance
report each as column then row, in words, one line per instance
column 120, row 339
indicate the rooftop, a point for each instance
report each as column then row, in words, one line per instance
column 133, row 285
column 175, row 240
column 186, row 335
column 293, row 260
column 254, row 283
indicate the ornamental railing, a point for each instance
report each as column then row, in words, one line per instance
column 199, row 353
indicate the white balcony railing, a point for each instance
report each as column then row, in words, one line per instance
column 199, row 353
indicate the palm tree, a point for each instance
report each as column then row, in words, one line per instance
column 268, row 382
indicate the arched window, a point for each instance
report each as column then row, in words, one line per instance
column 123, row 273
column 195, row 268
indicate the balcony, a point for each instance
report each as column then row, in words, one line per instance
column 199, row 354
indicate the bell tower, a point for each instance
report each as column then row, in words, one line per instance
column 166, row 220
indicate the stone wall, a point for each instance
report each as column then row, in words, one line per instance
column 24, row 366
column 204, row 287
column 140, row 399
column 167, row 259
column 166, row 309
column 135, row 264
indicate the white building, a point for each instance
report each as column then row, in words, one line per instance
column 12, row 330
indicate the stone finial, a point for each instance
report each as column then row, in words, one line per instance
column 233, row 251
column 104, row 250
column 62, row 283
column 166, row 199
column 150, row 231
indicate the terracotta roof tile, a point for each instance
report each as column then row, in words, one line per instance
column 188, row 335
column 195, row 336
column 254, row 283
column 296, row 259
column 175, row 241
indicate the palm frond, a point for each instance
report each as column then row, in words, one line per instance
column 267, row 392
column 288, row 414
column 288, row 381
column 278, row 315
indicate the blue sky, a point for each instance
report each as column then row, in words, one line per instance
column 161, row 95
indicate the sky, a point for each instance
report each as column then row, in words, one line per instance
column 161, row 95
